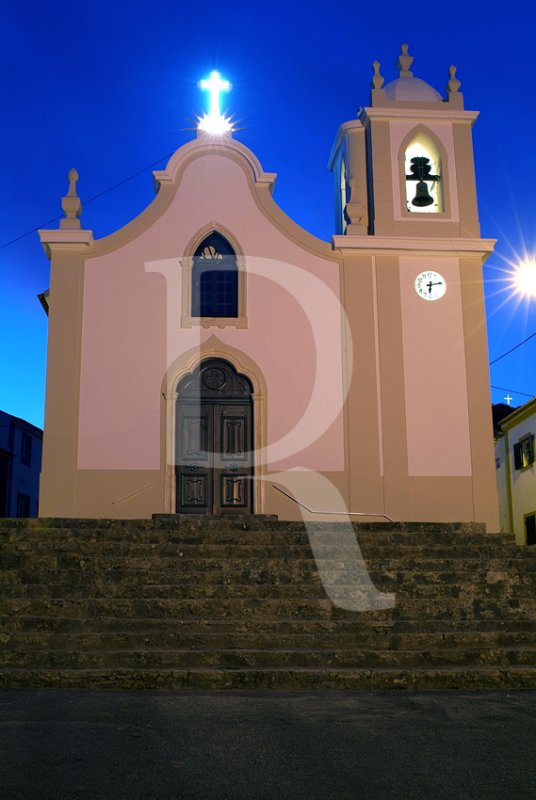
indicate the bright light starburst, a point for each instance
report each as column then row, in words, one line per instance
column 216, row 126
column 524, row 277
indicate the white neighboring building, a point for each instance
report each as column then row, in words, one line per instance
column 516, row 473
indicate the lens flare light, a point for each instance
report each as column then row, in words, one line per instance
column 215, row 122
column 524, row 278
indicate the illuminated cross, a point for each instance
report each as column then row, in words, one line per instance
column 214, row 85
column 508, row 399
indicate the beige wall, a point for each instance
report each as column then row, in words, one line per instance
column 418, row 408
column 435, row 374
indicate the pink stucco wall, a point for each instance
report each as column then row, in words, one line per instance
column 132, row 334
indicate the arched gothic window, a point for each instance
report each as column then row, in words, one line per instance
column 214, row 279
column 423, row 176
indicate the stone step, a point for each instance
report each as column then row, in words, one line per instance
column 192, row 523
column 467, row 604
column 263, row 659
column 238, row 603
column 375, row 639
column 28, row 566
column 277, row 587
column 266, row 571
column 225, row 531
column 15, row 553
column 275, row 573
column 445, row 591
column 520, row 587
column 435, row 679
column 63, row 540
column 356, row 625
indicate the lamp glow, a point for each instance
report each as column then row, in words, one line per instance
column 525, row 278
column 215, row 122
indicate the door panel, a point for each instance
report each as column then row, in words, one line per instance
column 233, row 443
column 194, row 491
column 233, row 437
column 195, row 433
column 234, row 491
column 194, row 458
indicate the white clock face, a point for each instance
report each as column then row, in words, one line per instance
column 430, row 285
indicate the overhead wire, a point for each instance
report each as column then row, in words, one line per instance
column 514, row 391
column 89, row 200
column 532, row 335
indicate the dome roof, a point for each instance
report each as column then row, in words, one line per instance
column 411, row 90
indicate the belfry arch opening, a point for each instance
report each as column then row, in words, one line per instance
column 423, row 176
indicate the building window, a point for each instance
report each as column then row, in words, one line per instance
column 524, row 452
column 214, row 279
column 530, row 528
column 23, row 505
column 26, row 449
column 344, row 197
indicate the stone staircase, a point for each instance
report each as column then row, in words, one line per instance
column 189, row 603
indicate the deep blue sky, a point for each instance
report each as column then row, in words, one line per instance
column 111, row 87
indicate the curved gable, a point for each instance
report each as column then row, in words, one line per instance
column 198, row 169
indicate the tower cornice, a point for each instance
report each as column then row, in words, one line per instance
column 413, row 112
column 394, row 245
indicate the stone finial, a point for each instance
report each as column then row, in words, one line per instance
column 454, row 96
column 454, row 84
column 377, row 95
column 404, row 62
column 71, row 204
column 377, row 79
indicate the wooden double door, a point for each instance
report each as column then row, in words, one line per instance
column 214, row 464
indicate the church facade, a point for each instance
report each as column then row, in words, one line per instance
column 212, row 357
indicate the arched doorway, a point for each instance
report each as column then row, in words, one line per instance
column 214, row 441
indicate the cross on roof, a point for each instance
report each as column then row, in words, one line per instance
column 215, row 85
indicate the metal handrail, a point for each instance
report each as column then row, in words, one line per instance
column 338, row 513
column 126, row 496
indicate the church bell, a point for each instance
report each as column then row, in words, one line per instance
column 420, row 169
column 422, row 195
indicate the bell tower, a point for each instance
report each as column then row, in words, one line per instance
column 416, row 151
column 408, row 236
